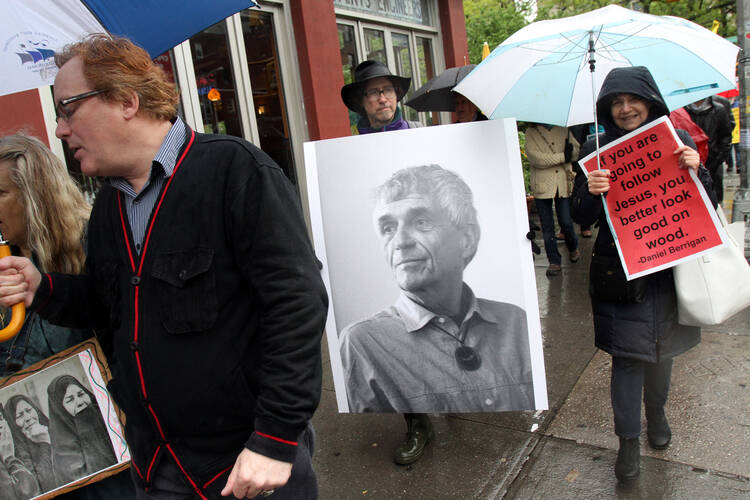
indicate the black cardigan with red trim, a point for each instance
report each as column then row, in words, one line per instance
column 213, row 332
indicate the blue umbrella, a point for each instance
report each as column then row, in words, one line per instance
column 32, row 30
column 551, row 71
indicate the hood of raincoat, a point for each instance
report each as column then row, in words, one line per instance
column 635, row 80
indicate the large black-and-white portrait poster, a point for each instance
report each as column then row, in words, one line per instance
column 422, row 235
column 59, row 429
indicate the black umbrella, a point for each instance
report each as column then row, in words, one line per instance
column 436, row 95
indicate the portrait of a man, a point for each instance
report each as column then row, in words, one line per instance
column 421, row 234
column 438, row 348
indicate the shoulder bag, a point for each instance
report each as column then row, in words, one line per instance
column 716, row 285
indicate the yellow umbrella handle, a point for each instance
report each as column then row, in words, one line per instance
column 18, row 311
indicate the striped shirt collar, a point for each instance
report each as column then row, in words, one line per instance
column 166, row 157
column 171, row 146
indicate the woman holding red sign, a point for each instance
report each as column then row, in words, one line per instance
column 634, row 321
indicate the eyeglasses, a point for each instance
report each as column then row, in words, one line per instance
column 374, row 94
column 66, row 114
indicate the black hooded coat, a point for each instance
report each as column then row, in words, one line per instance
column 36, row 456
column 80, row 443
column 646, row 330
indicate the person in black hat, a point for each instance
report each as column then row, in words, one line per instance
column 374, row 95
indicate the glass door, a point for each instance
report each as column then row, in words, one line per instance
column 349, row 61
column 215, row 80
column 235, row 84
column 262, row 59
column 375, row 45
column 402, row 58
column 426, row 65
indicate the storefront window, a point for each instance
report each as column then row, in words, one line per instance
column 375, row 45
column 215, row 81
column 348, row 48
column 402, row 56
column 349, row 61
column 268, row 93
column 426, row 69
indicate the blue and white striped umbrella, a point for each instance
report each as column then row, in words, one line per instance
column 32, row 30
column 541, row 73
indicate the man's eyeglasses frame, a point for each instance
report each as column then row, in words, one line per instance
column 374, row 94
column 66, row 114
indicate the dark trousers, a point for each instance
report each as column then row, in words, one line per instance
column 717, row 176
column 170, row 484
column 632, row 380
column 562, row 207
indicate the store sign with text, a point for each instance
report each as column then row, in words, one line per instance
column 403, row 10
column 658, row 212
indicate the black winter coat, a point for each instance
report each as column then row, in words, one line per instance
column 647, row 330
column 718, row 123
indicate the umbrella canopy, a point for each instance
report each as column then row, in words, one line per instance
column 542, row 72
column 435, row 95
column 32, row 30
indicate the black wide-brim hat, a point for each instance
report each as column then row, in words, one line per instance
column 351, row 93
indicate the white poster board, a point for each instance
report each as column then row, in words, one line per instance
column 342, row 176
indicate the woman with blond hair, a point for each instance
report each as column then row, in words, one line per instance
column 43, row 215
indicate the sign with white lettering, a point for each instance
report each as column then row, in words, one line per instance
column 403, row 10
column 659, row 213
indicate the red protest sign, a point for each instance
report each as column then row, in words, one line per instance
column 658, row 212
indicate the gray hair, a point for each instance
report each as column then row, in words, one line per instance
column 443, row 187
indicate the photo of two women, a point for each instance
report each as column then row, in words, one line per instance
column 52, row 431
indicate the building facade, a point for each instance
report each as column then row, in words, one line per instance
column 273, row 74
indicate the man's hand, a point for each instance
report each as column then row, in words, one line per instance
column 598, row 181
column 253, row 473
column 19, row 280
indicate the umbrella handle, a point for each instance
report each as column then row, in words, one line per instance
column 18, row 311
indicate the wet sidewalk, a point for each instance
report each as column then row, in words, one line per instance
column 568, row 451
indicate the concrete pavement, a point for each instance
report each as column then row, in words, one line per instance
column 568, row 451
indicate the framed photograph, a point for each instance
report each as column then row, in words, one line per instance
column 422, row 236
column 59, row 428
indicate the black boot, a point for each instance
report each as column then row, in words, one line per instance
column 418, row 433
column 659, row 433
column 628, row 464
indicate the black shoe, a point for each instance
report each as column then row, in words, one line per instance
column 659, row 433
column 628, row 464
column 553, row 270
column 418, row 434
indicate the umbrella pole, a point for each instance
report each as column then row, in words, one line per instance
column 592, row 66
